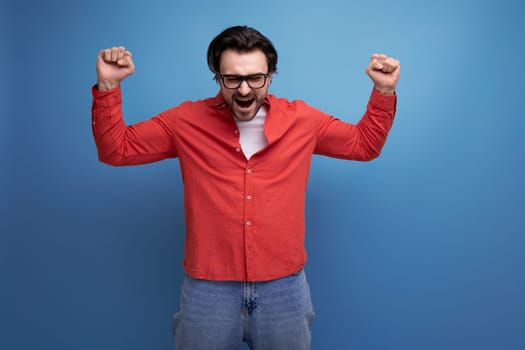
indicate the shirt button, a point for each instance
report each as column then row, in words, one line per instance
column 248, row 222
column 237, row 149
column 249, row 171
column 248, row 197
column 236, row 131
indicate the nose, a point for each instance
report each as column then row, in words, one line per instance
column 244, row 89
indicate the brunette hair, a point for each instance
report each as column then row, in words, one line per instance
column 241, row 39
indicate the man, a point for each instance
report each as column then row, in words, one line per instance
column 244, row 156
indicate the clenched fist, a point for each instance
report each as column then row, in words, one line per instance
column 384, row 72
column 113, row 66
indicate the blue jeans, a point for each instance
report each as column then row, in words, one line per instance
column 272, row 315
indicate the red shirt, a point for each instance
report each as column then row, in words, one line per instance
column 244, row 218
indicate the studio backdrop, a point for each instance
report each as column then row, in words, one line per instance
column 422, row 248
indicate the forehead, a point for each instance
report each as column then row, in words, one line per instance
column 243, row 63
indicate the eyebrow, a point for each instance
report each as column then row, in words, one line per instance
column 241, row 76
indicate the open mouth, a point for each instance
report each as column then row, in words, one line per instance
column 244, row 103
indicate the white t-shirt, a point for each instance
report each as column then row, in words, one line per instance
column 252, row 138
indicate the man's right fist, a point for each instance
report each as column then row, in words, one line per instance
column 113, row 66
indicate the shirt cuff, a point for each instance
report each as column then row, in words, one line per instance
column 106, row 99
column 382, row 101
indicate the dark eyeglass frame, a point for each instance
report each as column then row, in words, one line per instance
column 245, row 78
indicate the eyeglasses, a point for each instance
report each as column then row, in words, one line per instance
column 232, row 81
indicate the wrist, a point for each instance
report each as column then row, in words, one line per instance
column 106, row 85
column 385, row 91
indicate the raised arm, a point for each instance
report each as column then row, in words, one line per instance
column 118, row 144
column 364, row 140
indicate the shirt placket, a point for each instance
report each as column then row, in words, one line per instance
column 249, row 221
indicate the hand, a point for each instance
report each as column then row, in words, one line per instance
column 113, row 66
column 384, row 72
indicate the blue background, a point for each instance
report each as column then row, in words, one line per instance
column 422, row 248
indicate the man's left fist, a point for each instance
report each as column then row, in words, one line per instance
column 384, row 72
